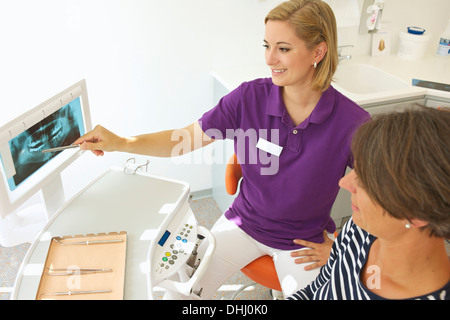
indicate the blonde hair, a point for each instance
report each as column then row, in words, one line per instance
column 314, row 22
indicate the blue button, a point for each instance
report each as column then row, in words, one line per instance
column 184, row 240
column 178, row 238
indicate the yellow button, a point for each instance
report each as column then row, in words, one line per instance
column 167, row 254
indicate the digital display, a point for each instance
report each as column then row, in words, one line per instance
column 164, row 238
column 61, row 128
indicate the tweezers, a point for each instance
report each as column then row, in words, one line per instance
column 87, row 242
column 69, row 293
column 68, row 272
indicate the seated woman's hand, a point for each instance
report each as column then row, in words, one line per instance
column 318, row 252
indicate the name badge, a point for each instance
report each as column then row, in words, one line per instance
column 269, row 147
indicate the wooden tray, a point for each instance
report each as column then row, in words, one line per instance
column 68, row 254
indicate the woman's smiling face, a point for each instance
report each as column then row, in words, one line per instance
column 286, row 54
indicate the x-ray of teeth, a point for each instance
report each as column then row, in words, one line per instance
column 59, row 129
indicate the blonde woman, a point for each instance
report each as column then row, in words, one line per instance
column 292, row 136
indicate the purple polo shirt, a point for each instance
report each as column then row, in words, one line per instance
column 288, row 195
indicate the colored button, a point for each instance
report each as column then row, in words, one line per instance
column 178, row 238
column 184, row 240
column 167, row 254
column 164, row 259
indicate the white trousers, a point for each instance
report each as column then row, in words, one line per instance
column 234, row 250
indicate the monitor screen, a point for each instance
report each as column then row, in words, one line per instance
column 24, row 168
column 61, row 128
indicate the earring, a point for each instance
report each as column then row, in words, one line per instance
column 407, row 226
column 315, row 64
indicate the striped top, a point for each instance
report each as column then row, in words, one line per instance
column 339, row 279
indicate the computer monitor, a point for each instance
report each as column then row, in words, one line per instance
column 24, row 169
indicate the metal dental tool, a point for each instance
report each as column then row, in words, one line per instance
column 193, row 258
column 87, row 242
column 69, row 272
column 194, row 261
column 69, row 293
column 61, row 148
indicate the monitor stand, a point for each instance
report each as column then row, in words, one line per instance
column 23, row 225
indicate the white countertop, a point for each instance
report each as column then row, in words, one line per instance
column 430, row 68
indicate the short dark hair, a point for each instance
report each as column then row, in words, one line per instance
column 402, row 160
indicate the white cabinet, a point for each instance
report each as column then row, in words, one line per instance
column 394, row 106
column 436, row 102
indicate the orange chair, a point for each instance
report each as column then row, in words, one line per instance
column 261, row 270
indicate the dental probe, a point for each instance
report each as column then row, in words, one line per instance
column 61, row 148
column 70, row 293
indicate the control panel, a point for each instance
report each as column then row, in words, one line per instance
column 177, row 251
column 172, row 256
column 174, row 247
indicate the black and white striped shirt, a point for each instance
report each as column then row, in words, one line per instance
column 339, row 279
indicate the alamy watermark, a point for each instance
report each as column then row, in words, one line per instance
column 73, row 281
column 374, row 280
column 245, row 142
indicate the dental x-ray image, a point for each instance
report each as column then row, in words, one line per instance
column 59, row 129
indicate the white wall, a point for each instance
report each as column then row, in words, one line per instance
column 147, row 63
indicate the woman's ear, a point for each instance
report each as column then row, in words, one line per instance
column 320, row 51
column 419, row 223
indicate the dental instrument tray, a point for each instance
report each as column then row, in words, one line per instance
column 82, row 267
